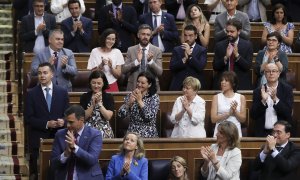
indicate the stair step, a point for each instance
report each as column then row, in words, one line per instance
column 4, row 20
column 7, row 74
column 6, row 98
column 11, row 135
column 11, row 165
column 11, row 149
column 6, row 38
column 8, row 121
column 6, row 47
column 9, row 108
column 13, row 177
column 8, row 86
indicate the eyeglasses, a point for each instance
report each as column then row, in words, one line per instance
column 271, row 72
column 276, row 132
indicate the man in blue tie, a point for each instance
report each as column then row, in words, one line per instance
column 279, row 158
column 44, row 109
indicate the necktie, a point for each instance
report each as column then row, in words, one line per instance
column 279, row 148
column 48, row 98
column 117, row 10
column 143, row 62
column 72, row 161
column 55, row 59
column 75, row 19
column 155, row 38
column 231, row 61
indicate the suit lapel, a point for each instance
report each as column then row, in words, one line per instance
column 43, row 100
column 83, row 137
column 31, row 22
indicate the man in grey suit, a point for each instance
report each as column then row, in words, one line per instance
column 61, row 58
column 142, row 57
column 232, row 12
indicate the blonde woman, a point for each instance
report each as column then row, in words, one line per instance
column 178, row 169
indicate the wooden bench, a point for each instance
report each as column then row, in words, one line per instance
column 166, row 148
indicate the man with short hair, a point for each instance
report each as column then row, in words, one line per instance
column 61, row 58
column 233, row 54
column 165, row 34
column 60, row 9
column 280, row 158
column 271, row 102
column 44, row 109
column 188, row 59
column 232, row 12
column 142, row 57
column 76, row 149
column 35, row 28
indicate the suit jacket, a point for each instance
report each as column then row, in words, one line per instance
column 139, row 7
column 283, row 167
column 138, row 168
column 133, row 71
column 283, row 108
column 170, row 35
column 80, row 42
column 229, row 165
column 61, row 12
column 172, row 6
column 259, row 61
column 262, row 4
column 99, row 5
column 127, row 29
column 36, row 113
column 220, row 24
column 27, row 31
column 87, row 166
column 62, row 76
column 241, row 67
column 193, row 67
column 23, row 7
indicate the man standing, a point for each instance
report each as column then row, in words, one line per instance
column 221, row 20
column 61, row 58
column 272, row 102
column 215, row 7
column 165, row 34
column 35, row 28
column 61, row 11
column 233, row 54
column 255, row 9
column 76, row 149
column 123, row 19
column 188, row 59
column 280, row 158
column 141, row 7
column 142, row 57
column 77, row 29
column 44, row 109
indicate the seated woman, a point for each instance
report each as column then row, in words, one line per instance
column 98, row 104
column 195, row 16
column 130, row 163
column 228, row 105
column 279, row 23
column 178, row 169
column 272, row 54
column 107, row 58
column 141, row 105
column 189, row 111
column 223, row 159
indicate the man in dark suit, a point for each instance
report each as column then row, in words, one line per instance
column 271, row 102
column 76, row 149
column 123, row 19
column 77, row 29
column 25, row 7
column 62, row 59
column 35, row 28
column 141, row 6
column 178, row 7
column 165, row 33
column 280, row 158
column 188, row 59
column 44, row 110
column 233, row 54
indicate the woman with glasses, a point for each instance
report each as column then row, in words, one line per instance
column 223, row 159
column 272, row 54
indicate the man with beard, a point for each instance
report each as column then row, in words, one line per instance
column 233, row 54
column 142, row 57
column 188, row 59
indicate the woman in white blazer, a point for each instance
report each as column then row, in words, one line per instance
column 223, row 159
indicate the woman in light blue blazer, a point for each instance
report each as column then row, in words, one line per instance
column 130, row 163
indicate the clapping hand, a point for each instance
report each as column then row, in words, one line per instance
column 233, row 106
column 64, row 61
column 185, row 102
column 70, row 140
column 126, row 168
column 208, row 154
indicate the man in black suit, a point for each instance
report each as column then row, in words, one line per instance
column 280, row 158
column 123, row 19
column 271, row 102
column 233, row 54
column 44, row 111
column 35, row 28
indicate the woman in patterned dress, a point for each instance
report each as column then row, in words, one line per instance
column 279, row 23
column 141, row 105
column 98, row 104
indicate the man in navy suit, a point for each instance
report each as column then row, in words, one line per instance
column 123, row 19
column 188, row 59
column 35, row 28
column 44, row 109
column 233, row 54
column 279, row 158
column 62, row 59
column 25, row 7
column 165, row 33
column 76, row 149
column 77, row 29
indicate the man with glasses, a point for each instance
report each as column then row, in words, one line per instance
column 279, row 158
column 272, row 102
